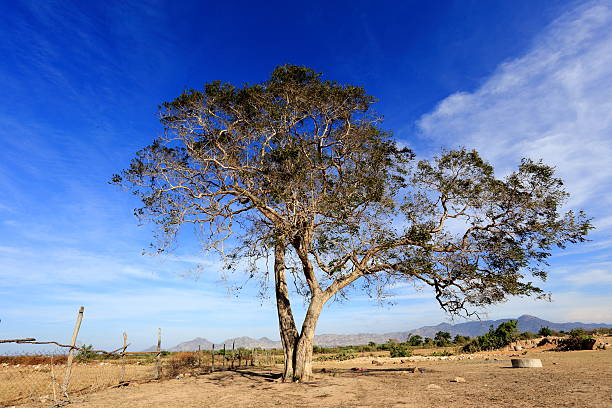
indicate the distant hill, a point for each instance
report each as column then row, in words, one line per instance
column 204, row 344
column 525, row 323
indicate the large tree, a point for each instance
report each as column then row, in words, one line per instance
column 298, row 169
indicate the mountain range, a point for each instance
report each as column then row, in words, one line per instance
column 474, row 328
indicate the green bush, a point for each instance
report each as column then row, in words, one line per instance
column 545, row 331
column 85, row 354
column 577, row 340
column 442, row 339
column 503, row 335
column 443, row 353
column 461, row 340
column 527, row 336
column 400, row 350
column 415, row 340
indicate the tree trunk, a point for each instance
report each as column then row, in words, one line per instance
column 297, row 347
column 302, row 370
column 286, row 323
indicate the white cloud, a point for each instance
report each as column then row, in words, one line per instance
column 552, row 103
column 597, row 276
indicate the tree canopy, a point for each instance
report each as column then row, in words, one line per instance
column 299, row 169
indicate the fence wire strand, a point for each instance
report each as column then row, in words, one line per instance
column 37, row 378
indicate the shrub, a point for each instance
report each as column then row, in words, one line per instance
column 503, row 335
column 460, row 340
column 347, row 354
column 85, row 354
column 442, row 339
column 545, row 331
column 415, row 340
column 318, row 349
column 527, row 336
column 443, row 353
column 400, row 350
column 181, row 362
column 577, row 340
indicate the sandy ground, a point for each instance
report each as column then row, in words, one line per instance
column 568, row 379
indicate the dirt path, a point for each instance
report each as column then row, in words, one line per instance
column 577, row 379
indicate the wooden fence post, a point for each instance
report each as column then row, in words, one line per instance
column 212, row 366
column 233, row 355
column 53, row 380
column 199, row 356
column 158, row 358
column 224, row 356
column 125, row 338
column 75, row 333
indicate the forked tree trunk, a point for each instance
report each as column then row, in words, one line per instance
column 297, row 347
column 286, row 323
column 302, row 369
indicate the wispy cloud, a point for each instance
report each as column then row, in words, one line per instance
column 552, row 103
column 597, row 276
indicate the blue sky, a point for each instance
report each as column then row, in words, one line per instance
column 80, row 88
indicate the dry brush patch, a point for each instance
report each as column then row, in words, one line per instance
column 30, row 383
column 567, row 379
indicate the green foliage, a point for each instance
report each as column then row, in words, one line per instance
column 442, row 339
column 303, row 166
column 497, row 338
column 85, row 354
column 545, row 331
column 443, row 353
column 578, row 339
column 298, row 147
column 527, row 336
column 461, row 340
column 400, row 350
column 415, row 340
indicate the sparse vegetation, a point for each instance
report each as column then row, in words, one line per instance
column 442, row 353
column 460, row 340
column 85, row 354
column 545, row 331
column 33, row 359
column 415, row 340
column 400, row 350
column 442, row 339
column 578, row 339
column 347, row 354
column 527, row 336
column 497, row 338
column 180, row 363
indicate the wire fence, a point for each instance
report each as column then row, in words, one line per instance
column 69, row 371
column 44, row 378
column 41, row 378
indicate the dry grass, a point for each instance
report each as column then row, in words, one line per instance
column 571, row 379
column 42, row 382
column 34, row 359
